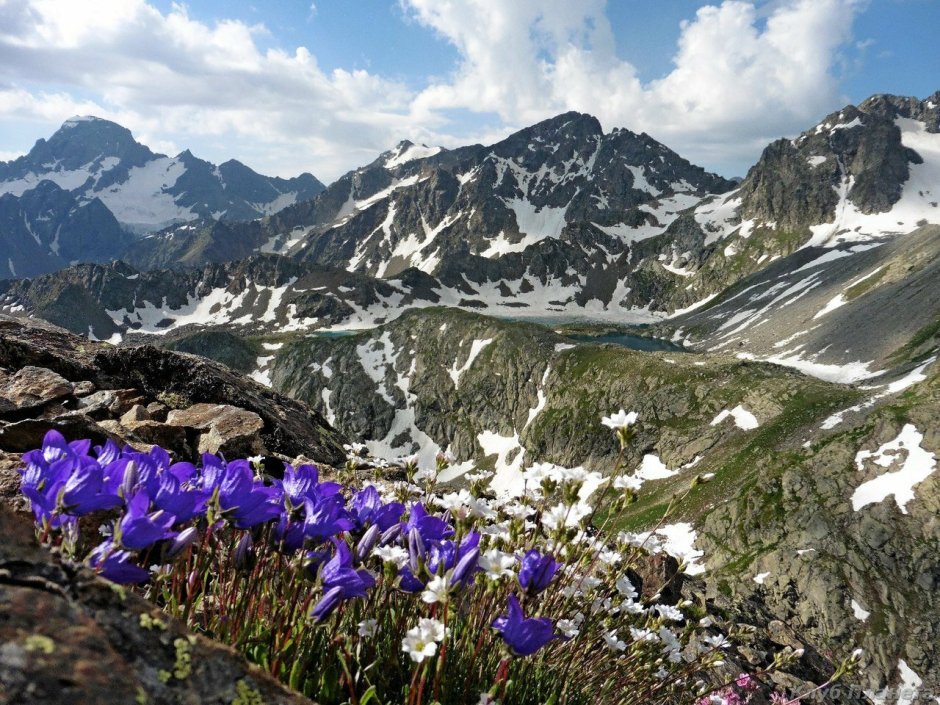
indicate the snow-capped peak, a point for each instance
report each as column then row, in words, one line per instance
column 407, row 152
column 76, row 119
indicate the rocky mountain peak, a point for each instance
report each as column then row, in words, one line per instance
column 860, row 155
column 81, row 140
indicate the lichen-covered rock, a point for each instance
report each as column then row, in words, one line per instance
column 67, row 636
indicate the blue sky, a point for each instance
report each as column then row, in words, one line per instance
column 289, row 86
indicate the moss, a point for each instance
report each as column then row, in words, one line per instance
column 173, row 400
column 164, row 675
column 150, row 623
column 183, row 666
column 40, row 643
column 922, row 337
column 853, row 292
column 246, row 695
column 141, row 698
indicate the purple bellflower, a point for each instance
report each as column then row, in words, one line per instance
column 116, row 565
column 537, row 571
column 339, row 572
column 523, row 635
column 139, row 528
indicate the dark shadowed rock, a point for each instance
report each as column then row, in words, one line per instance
column 67, row 636
column 152, row 378
column 289, row 428
column 25, row 435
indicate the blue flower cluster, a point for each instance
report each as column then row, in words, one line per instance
column 160, row 506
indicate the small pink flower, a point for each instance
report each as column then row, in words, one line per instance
column 745, row 682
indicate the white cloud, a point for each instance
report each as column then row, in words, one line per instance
column 739, row 78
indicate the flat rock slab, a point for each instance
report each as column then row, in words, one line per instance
column 225, row 429
column 67, row 636
column 32, row 386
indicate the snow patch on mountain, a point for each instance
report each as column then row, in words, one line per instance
column 919, row 202
column 476, row 347
column 912, row 465
column 410, row 152
column 743, row 418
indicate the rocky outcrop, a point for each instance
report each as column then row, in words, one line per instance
column 67, row 636
column 52, row 379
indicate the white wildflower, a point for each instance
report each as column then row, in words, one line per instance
column 436, row 590
column 421, row 642
column 669, row 612
column 625, row 587
column 479, row 476
column 497, row 564
column 613, row 643
column 565, row 515
column 642, row 634
column 392, row 554
column 567, row 627
column 367, row 628
column 454, row 500
column 620, row 420
column 719, row 641
column 517, row 510
column 481, row 508
column 425, row 474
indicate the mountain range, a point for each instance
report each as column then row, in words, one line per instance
column 483, row 301
column 90, row 191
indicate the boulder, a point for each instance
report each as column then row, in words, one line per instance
column 224, row 429
column 138, row 412
column 35, row 386
column 169, row 437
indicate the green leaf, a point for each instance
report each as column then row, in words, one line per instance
column 370, row 694
column 296, row 675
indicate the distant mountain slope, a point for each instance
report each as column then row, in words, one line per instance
column 98, row 161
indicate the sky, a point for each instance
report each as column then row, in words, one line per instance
column 287, row 86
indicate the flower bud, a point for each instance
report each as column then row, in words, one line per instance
column 367, row 543
column 243, row 552
column 466, row 567
column 129, row 483
column 416, row 551
column 391, row 534
column 327, row 604
column 183, row 540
